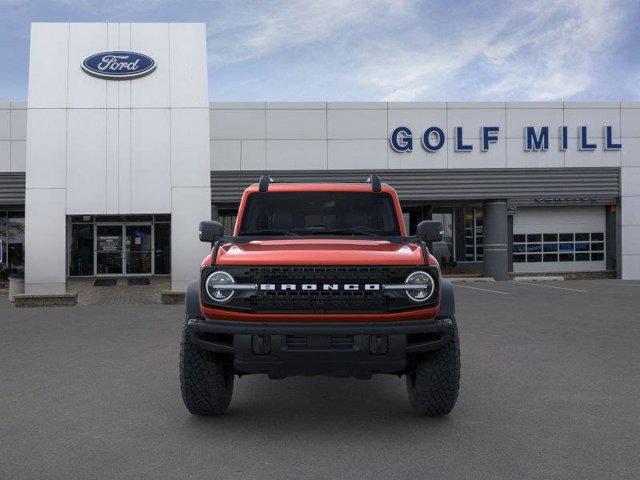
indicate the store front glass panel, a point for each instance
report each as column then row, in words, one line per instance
column 473, row 234
column 138, row 249
column 109, row 250
column 444, row 250
column 81, row 252
column 15, row 242
column 559, row 247
column 227, row 217
column 115, row 245
column 4, row 266
column 162, row 248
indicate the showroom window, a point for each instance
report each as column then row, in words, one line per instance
column 4, row 267
column 445, row 249
column 81, row 249
column 162, row 241
column 120, row 245
column 558, row 247
column 473, row 239
column 227, row 217
column 11, row 242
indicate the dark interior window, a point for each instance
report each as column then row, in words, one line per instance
column 81, row 249
column 163, row 248
column 319, row 213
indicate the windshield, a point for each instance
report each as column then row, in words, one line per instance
column 319, row 213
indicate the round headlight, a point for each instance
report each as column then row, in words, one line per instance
column 420, row 286
column 216, row 283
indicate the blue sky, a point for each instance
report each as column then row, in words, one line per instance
column 378, row 49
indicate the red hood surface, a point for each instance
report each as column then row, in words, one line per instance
column 319, row 251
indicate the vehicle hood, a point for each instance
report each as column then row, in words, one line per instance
column 320, row 251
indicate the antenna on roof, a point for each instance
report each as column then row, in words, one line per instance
column 263, row 183
column 374, row 180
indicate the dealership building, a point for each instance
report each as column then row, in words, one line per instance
column 117, row 154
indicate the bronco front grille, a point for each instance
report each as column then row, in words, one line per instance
column 320, row 301
column 320, row 274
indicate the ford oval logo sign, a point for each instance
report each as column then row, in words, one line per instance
column 118, row 65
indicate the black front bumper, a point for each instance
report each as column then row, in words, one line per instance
column 344, row 349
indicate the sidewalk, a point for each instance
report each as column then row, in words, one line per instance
column 121, row 293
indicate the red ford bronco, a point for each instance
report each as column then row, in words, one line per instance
column 320, row 279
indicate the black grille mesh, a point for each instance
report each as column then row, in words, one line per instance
column 319, row 301
column 351, row 274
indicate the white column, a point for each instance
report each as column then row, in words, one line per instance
column 630, row 223
column 190, row 206
column 45, row 241
column 190, row 157
column 630, row 191
column 46, row 162
column 190, row 192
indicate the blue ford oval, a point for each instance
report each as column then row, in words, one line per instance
column 118, row 65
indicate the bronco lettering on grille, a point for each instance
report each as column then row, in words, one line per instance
column 324, row 286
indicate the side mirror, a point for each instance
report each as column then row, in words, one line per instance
column 430, row 231
column 210, row 231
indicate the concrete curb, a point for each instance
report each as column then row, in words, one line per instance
column 545, row 278
column 470, row 279
column 608, row 274
column 69, row 299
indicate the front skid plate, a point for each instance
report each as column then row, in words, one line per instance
column 280, row 350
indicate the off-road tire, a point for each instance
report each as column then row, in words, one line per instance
column 206, row 381
column 433, row 381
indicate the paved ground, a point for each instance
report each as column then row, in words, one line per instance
column 121, row 293
column 550, row 389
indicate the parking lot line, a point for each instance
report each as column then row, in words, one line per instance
column 552, row 286
column 481, row 289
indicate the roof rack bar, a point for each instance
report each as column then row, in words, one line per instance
column 374, row 180
column 263, row 182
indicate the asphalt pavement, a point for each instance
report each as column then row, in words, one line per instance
column 550, row 389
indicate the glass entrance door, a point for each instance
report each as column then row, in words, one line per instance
column 139, row 250
column 124, row 249
column 109, row 250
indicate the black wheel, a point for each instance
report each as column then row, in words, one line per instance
column 206, row 380
column 433, row 383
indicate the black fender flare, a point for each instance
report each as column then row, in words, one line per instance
column 192, row 300
column 447, row 300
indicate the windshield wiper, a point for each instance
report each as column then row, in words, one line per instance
column 268, row 232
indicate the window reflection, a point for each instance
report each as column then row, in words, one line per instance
column 572, row 247
column 11, row 242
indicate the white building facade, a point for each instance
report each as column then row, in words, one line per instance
column 110, row 177
column 114, row 147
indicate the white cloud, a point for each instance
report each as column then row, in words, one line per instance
column 103, row 7
column 259, row 29
column 416, row 74
column 548, row 50
column 408, row 50
column 401, row 49
column 569, row 50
